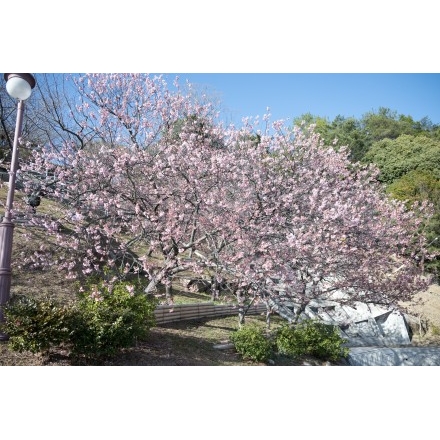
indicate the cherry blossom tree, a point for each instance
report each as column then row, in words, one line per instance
column 313, row 225
column 269, row 211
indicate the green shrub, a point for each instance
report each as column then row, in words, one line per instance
column 252, row 344
column 312, row 338
column 104, row 319
column 35, row 325
column 109, row 318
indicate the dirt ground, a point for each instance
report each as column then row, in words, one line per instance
column 425, row 313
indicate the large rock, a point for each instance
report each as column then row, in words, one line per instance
column 363, row 324
column 370, row 324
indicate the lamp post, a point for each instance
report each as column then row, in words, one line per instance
column 18, row 86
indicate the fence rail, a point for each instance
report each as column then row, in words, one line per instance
column 181, row 312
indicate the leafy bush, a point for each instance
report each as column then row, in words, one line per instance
column 104, row 319
column 311, row 338
column 252, row 344
column 108, row 318
column 35, row 325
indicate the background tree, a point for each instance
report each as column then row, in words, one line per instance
column 387, row 124
column 360, row 134
column 413, row 188
column 397, row 157
column 8, row 114
column 410, row 168
column 55, row 111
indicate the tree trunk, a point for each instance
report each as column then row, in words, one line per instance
column 169, row 293
column 268, row 313
column 214, row 289
column 241, row 315
column 241, row 309
column 151, row 287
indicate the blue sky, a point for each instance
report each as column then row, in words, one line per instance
column 289, row 95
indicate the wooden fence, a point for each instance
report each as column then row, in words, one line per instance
column 182, row 312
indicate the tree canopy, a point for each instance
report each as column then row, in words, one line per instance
column 281, row 216
column 359, row 135
column 397, row 157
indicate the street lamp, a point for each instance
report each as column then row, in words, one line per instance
column 18, row 86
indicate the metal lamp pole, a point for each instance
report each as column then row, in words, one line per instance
column 19, row 86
